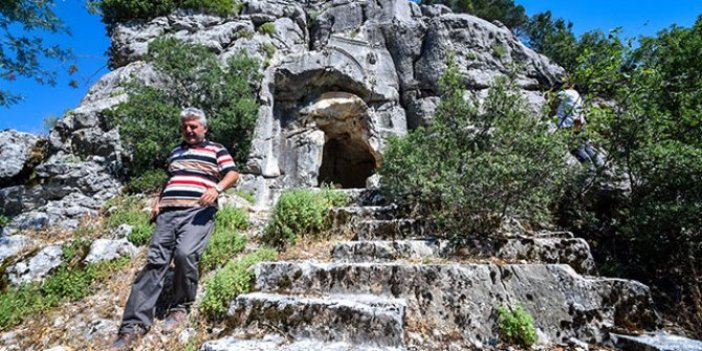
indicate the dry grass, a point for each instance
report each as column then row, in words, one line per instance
column 312, row 249
column 68, row 324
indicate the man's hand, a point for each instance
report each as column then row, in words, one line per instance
column 154, row 211
column 208, row 198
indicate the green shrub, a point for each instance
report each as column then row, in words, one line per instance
column 300, row 213
column 4, row 220
column 75, row 250
column 149, row 182
column 269, row 49
column 130, row 210
column 230, row 281
column 149, row 122
column 65, row 284
column 497, row 161
column 117, row 11
column 516, row 327
column 225, row 241
column 267, row 28
column 18, row 302
column 499, row 51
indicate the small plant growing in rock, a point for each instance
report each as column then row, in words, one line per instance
column 244, row 194
column 70, row 282
column 230, row 281
column 516, row 326
column 499, row 51
column 244, row 33
column 4, row 219
column 269, row 49
column 225, row 241
column 267, row 28
column 301, row 213
column 130, row 210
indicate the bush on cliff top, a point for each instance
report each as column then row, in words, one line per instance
column 117, row 11
column 149, row 119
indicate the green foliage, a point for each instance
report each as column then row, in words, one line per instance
column 505, row 11
column 226, row 240
column 651, row 132
column 4, row 219
column 516, row 327
column 244, row 194
column 65, row 284
column 499, row 51
column 269, row 49
column 300, row 213
column 230, row 281
column 130, row 210
column 117, row 11
column 149, row 121
column 267, row 28
column 149, row 182
column 75, row 250
column 23, row 24
column 17, row 303
column 555, row 39
column 496, row 163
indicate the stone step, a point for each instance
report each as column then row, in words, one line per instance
column 392, row 229
column 348, row 214
column 463, row 298
column 277, row 343
column 364, row 197
column 357, row 319
column 571, row 251
column 655, row 342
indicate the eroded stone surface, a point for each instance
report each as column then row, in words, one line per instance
column 358, row 319
column 36, row 267
column 463, row 297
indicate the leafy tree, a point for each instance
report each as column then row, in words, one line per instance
column 505, row 11
column 149, row 119
column 651, row 130
column 553, row 38
column 497, row 161
column 117, row 11
column 21, row 49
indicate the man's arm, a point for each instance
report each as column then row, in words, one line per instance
column 210, row 196
column 155, row 209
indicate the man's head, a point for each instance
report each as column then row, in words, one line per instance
column 193, row 125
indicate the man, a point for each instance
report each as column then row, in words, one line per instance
column 199, row 170
column 571, row 115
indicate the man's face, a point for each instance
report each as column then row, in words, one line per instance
column 193, row 131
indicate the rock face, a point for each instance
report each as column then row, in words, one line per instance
column 16, row 149
column 400, row 287
column 35, row 268
column 339, row 79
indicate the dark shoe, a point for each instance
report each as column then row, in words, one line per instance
column 174, row 320
column 124, row 342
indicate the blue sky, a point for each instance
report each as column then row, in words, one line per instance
column 90, row 42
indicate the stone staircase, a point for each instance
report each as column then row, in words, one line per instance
column 399, row 286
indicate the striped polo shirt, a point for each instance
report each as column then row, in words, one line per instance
column 193, row 169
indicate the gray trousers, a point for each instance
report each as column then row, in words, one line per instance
column 180, row 235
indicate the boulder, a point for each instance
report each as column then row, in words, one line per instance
column 107, row 250
column 16, row 149
column 36, row 267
